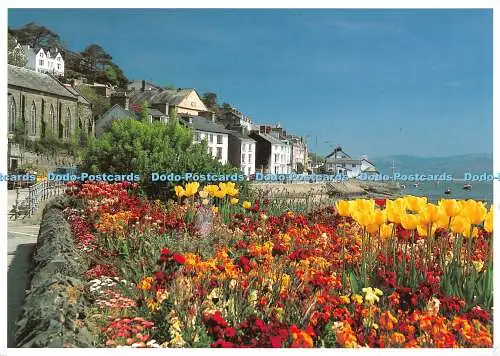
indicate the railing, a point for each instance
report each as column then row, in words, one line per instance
column 37, row 193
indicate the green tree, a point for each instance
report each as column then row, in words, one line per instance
column 96, row 60
column 36, row 35
column 141, row 148
column 100, row 104
column 144, row 114
column 210, row 100
column 15, row 54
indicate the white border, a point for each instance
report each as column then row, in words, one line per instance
column 250, row 4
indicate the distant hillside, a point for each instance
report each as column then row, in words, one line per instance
column 454, row 165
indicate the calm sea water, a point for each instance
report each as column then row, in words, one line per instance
column 433, row 191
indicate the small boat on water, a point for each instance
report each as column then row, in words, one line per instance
column 447, row 191
column 415, row 185
column 467, row 187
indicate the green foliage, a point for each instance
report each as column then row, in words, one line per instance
column 143, row 148
column 16, row 55
column 36, row 35
column 100, row 104
column 144, row 115
column 210, row 100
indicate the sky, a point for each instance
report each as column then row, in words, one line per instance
column 376, row 82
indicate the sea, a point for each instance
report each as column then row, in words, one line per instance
column 434, row 191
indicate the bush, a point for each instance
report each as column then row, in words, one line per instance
column 136, row 147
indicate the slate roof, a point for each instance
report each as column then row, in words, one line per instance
column 26, row 78
column 270, row 139
column 240, row 135
column 117, row 110
column 152, row 111
column 344, row 161
column 203, row 124
column 81, row 98
column 162, row 96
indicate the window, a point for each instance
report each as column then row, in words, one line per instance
column 198, row 136
column 219, row 139
column 68, row 125
column 58, row 66
column 211, row 138
column 243, row 158
column 219, row 153
column 12, row 116
column 249, row 158
column 58, row 59
column 32, row 128
column 249, row 147
column 40, row 62
column 276, row 158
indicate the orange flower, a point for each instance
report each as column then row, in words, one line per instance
column 387, row 321
column 398, row 338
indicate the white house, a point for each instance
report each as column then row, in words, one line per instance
column 215, row 135
column 242, row 149
column 339, row 162
column 273, row 155
column 44, row 60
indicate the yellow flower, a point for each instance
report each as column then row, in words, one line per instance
column 371, row 294
column 386, row 230
column 345, row 299
column 488, row 221
column 211, row 188
column 409, row 221
column 394, row 211
column 363, row 205
column 467, row 232
column 423, row 229
column 357, row 298
column 478, row 265
column 459, row 224
column 234, row 201
column 343, row 207
column 204, row 201
column 179, row 191
column 152, row 304
column 146, row 283
column 415, row 203
column 203, row 194
column 215, row 209
column 474, row 211
column 450, row 206
column 191, row 188
column 219, row 194
column 247, row 204
column 380, row 217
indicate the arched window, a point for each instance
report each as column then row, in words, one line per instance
column 12, row 115
column 67, row 124
column 52, row 121
column 32, row 129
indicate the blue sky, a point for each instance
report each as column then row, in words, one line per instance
column 376, row 82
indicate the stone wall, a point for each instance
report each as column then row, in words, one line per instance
column 47, row 162
column 54, row 303
column 58, row 115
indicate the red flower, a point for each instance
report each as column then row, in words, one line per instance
column 380, row 202
column 230, row 332
column 275, row 341
column 180, row 259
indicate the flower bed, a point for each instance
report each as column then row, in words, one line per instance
column 211, row 270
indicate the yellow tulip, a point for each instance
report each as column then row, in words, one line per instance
column 179, row 191
column 234, row 201
column 459, row 224
column 474, row 211
column 443, row 219
column 488, row 221
column 433, row 212
column 364, row 205
column 246, row 205
column 343, row 207
column 386, row 230
column 450, row 206
column 191, row 189
column 211, row 188
column 394, row 211
column 415, row 203
column 467, row 232
column 380, row 217
column 372, row 228
column 219, row 194
column 423, row 229
column 409, row 221
column 203, row 194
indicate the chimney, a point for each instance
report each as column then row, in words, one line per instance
column 262, row 129
column 121, row 99
column 143, row 87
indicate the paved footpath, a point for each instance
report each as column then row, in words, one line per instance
column 21, row 241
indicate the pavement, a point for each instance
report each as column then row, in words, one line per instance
column 21, row 242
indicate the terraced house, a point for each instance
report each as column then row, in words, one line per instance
column 45, row 106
